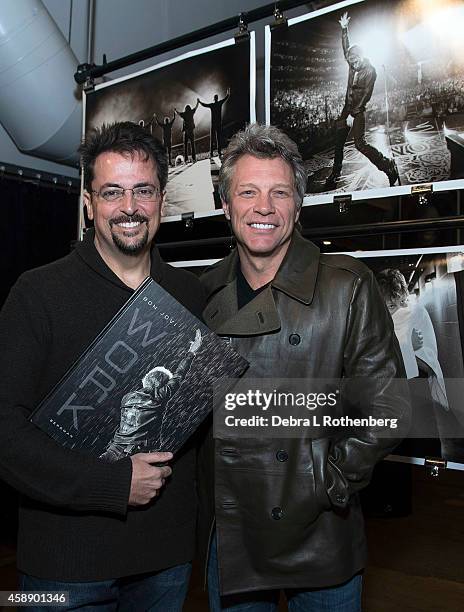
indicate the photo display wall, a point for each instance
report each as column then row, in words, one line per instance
column 193, row 104
column 372, row 92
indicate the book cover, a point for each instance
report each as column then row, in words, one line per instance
column 144, row 384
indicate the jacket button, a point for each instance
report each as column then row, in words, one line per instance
column 294, row 339
column 281, row 455
column 340, row 499
column 277, row 513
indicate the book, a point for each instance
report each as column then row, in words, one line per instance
column 144, row 384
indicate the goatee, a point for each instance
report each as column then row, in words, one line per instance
column 132, row 248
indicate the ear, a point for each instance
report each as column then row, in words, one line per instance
column 225, row 208
column 87, row 198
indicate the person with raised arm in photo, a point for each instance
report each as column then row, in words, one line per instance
column 166, row 127
column 216, row 121
column 361, row 80
column 143, row 410
column 188, row 127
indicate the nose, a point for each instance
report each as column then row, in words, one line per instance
column 264, row 204
column 128, row 202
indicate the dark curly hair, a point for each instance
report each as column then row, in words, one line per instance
column 392, row 284
column 126, row 138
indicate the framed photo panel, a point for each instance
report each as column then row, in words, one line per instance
column 373, row 93
column 193, row 104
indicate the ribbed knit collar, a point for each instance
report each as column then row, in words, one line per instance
column 87, row 251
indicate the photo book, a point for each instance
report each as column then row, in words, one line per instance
column 144, row 384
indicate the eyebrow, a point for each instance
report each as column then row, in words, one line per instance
column 141, row 184
column 272, row 186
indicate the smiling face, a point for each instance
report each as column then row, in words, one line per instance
column 262, row 207
column 126, row 226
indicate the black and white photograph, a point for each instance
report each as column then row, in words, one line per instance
column 372, row 92
column 193, row 104
column 423, row 290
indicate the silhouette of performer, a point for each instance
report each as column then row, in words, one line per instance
column 216, row 121
column 361, row 81
column 166, row 126
column 188, row 128
column 142, row 410
column 147, row 126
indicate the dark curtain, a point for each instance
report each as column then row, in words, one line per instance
column 37, row 226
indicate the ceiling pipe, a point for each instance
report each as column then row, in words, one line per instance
column 40, row 106
column 90, row 33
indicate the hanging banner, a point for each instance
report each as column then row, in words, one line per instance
column 372, row 92
column 193, row 104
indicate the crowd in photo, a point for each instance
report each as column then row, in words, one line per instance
column 309, row 114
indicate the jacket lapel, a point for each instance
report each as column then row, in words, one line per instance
column 258, row 316
column 296, row 278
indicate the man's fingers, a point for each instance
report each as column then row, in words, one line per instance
column 147, row 478
column 165, row 472
column 155, row 457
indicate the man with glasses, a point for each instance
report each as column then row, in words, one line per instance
column 108, row 533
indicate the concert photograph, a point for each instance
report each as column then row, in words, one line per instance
column 372, row 92
column 193, row 104
column 423, row 291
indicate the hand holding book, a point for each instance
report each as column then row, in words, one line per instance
column 147, row 479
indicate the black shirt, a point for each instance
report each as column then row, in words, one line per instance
column 245, row 293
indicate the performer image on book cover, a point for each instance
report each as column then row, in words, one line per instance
column 140, row 408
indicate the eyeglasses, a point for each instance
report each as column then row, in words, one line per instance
column 144, row 193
